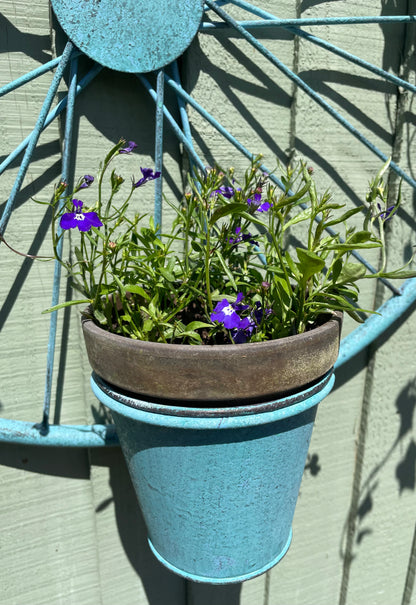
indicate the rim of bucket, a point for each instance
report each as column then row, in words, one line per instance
column 210, row 418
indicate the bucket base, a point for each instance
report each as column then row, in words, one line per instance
column 229, row 580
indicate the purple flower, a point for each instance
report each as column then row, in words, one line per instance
column 242, row 237
column 131, row 145
column 226, row 313
column 225, row 191
column 258, row 312
column 86, row 181
column 83, row 220
column 148, row 175
column 388, row 214
column 255, row 203
column 249, row 324
column 244, row 331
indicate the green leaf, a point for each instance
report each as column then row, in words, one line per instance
column 135, row 289
column 196, row 246
column 286, row 201
column 226, row 269
column 195, row 325
column 399, row 274
column 148, row 325
column 100, row 317
column 351, row 272
column 78, row 255
column 301, row 216
column 253, row 219
column 167, row 274
column 309, row 263
column 234, row 208
column 292, row 266
column 355, row 246
column 122, row 289
column 343, row 217
column 360, row 237
column 68, row 303
column 189, row 334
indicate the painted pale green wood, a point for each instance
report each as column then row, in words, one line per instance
column 66, row 534
column 243, row 91
column 128, row 571
column 313, row 569
column 47, row 542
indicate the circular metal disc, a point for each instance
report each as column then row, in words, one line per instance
column 130, row 35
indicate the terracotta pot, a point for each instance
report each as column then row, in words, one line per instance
column 228, row 374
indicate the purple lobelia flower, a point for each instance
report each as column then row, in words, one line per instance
column 225, row 191
column 256, row 204
column 249, row 324
column 87, row 180
column 148, row 175
column 226, row 312
column 131, row 145
column 244, row 331
column 387, row 214
column 242, row 237
column 83, row 220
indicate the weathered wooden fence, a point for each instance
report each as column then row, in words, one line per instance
column 70, row 528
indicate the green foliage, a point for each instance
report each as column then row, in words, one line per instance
column 228, row 238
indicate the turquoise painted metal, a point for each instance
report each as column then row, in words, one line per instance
column 217, row 487
column 69, row 13
column 135, row 36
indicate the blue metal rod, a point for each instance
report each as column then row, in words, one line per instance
column 66, row 158
column 56, row 111
column 32, row 75
column 96, row 435
column 34, row 137
column 309, row 91
column 276, row 22
column 182, row 138
column 376, row 325
column 160, row 93
column 187, row 97
column 186, row 127
column 270, row 19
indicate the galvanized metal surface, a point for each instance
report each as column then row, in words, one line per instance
column 218, row 494
column 135, row 36
column 101, row 556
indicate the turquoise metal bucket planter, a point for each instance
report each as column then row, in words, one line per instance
column 217, row 486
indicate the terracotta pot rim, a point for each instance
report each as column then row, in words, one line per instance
column 170, row 348
column 214, row 376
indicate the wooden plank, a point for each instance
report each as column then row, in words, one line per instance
column 129, row 572
column 322, row 511
column 78, row 516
